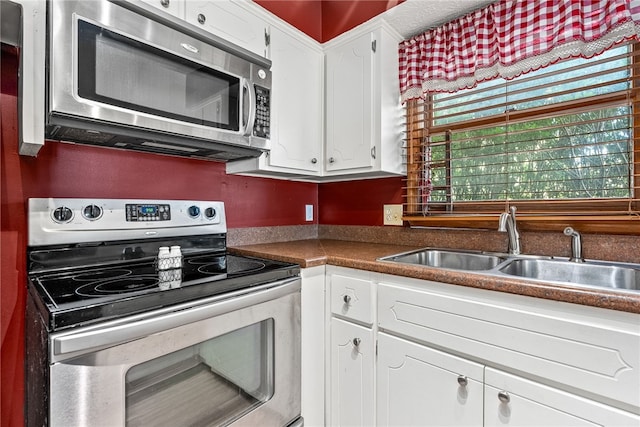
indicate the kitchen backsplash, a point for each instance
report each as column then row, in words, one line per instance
column 621, row 248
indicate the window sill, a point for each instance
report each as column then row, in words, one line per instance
column 620, row 224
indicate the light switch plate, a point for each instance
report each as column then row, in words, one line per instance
column 308, row 212
column 392, row 214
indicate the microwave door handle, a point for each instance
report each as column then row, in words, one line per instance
column 251, row 117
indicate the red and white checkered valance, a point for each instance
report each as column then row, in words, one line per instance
column 512, row 37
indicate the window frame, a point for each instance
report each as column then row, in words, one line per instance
column 615, row 216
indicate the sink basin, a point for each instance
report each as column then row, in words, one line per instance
column 452, row 259
column 614, row 276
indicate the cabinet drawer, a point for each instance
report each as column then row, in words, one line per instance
column 352, row 297
column 585, row 350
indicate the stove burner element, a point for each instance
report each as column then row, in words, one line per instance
column 208, row 259
column 116, row 286
column 234, row 265
column 101, row 275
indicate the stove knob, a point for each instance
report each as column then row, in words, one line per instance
column 62, row 214
column 210, row 213
column 194, row 211
column 92, row 212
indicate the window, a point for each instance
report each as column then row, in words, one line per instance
column 557, row 141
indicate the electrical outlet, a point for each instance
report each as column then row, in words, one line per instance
column 392, row 214
column 308, row 212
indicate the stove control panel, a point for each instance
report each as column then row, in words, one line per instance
column 148, row 212
column 65, row 220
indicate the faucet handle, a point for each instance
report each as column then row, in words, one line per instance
column 502, row 222
column 569, row 231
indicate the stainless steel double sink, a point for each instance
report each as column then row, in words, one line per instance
column 598, row 274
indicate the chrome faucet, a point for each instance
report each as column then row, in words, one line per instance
column 576, row 244
column 508, row 224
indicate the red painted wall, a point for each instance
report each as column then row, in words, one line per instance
column 339, row 16
column 357, row 202
column 326, row 19
column 305, row 15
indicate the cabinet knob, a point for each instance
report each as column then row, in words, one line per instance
column 164, row 3
column 201, row 18
column 503, row 396
column 462, row 380
column 314, row 160
column 332, row 160
column 356, row 342
column 373, row 152
column 347, row 299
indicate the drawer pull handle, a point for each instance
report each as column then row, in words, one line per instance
column 347, row 299
column 462, row 380
column 356, row 342
column 504, row 397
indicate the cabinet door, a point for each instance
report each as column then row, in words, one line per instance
column 514, row 401
column 172, row 7
column 419, row 386
column 349, row 105
column 296, row 118
column 229, row 21
column 352, row 370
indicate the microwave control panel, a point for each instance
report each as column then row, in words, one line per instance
column 261, row 127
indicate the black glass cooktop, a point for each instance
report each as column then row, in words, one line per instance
column 86, row 295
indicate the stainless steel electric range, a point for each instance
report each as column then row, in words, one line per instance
column 137, row 315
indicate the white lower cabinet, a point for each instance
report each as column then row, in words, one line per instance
column 419, row 386
column 450, row 355
column 514, row 401
column 313, row 326
column 352, row 365
column 351, row 308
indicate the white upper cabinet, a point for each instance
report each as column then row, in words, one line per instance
column 172, row 7
column 296, row 109
column 336, row 112
column 296, row 120
column 363, row 112
column 350, row 97
column 231, row 21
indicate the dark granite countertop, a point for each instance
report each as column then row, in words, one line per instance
column 363, row 256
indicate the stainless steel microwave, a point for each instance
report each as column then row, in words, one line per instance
column 120, row 74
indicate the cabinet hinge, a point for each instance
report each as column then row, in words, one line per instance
column 267, row 38
column 373, row 46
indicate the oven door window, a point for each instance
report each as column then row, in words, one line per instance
column 211, row 383
column 119, row 71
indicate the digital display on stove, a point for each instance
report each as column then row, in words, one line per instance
column 148, row 212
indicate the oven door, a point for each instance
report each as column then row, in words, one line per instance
column 239, row 364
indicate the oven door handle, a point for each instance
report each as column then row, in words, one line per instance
column 71, row 343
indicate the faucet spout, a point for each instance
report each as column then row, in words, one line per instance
column 576, row 244
column 508, row 224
